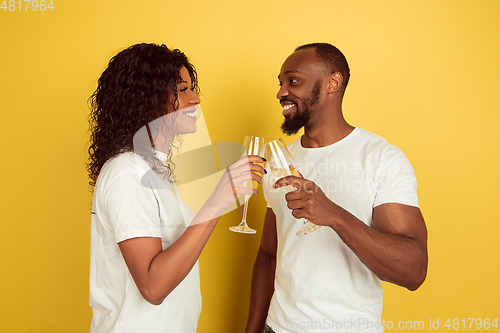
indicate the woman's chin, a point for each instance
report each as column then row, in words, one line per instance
column 195, row 128
column 187, row 130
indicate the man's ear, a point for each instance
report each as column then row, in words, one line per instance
column 335, row 82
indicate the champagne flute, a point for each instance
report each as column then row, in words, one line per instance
column 280, row 162
column 254, row 145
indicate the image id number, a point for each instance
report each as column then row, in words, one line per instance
column 25, row 5
column 471, row 323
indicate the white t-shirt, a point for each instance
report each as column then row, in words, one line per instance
column 320, row 284
column 130, row 201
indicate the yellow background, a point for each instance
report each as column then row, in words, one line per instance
column 425, row 75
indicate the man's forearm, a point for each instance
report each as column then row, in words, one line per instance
column 262, row 291
column 393, row 257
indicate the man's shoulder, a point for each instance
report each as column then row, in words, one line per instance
column 384, row 150
column 369, row 137
column 373, row 141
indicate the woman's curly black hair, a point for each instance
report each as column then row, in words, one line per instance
column 138, row 86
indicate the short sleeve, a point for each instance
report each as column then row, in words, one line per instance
column 132, row 209
column 395, row 179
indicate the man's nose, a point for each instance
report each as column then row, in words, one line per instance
column 282, row 92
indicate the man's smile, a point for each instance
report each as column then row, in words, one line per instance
column 288, row 108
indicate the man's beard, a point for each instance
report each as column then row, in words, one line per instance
column 293, row 123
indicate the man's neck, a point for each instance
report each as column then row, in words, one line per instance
column 326, row 132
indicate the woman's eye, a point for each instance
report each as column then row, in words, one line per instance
column 183, row 89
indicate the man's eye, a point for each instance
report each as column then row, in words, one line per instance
column 292, row 81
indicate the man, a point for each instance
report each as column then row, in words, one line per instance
column 358, row 188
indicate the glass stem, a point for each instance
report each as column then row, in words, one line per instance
column 247, row 197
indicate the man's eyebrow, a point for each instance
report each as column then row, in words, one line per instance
column 289, row 72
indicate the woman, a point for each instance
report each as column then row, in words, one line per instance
column 145, row 242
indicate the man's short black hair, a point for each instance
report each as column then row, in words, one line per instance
column 331, row 56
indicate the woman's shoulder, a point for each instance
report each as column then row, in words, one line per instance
column 124, row 161
column 123, row 165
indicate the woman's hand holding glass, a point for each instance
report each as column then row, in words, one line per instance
column 233, row 182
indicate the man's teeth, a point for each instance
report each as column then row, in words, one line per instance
column 287, row 107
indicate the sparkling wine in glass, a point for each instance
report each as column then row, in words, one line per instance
column 280, row 162
column 254, row 145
